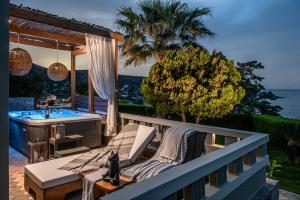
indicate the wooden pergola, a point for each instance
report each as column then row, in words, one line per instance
column 41, row 29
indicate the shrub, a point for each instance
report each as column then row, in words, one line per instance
column 192, row 81
column 272, row 125
column 272, row 167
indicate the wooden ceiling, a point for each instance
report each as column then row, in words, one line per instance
column 42, row 29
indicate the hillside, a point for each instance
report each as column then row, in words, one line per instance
column 129, row 86
column 37, row 84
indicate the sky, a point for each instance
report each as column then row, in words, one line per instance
column 264, row 30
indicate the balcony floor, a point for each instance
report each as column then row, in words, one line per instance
column 16, row 178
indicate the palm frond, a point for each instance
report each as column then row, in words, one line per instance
column 160, row 26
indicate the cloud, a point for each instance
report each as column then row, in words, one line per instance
column 267, row 31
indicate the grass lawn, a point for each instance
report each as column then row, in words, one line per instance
column 289, row 175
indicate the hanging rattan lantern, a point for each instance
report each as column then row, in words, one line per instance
column 20, row 61
column 57, row 71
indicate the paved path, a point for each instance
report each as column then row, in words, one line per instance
column 16, row 176
column 286, row 195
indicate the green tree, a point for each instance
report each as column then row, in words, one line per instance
column 159, row 26
column 257, row 99
column 193, row 81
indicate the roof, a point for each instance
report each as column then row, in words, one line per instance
column 39, row 28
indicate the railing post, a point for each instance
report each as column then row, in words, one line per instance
column 229, row 140
column 195, row 191
column 250, row 158
column 236, row 167
column 148, row 124
column 261, row 151
column 210, row 139
column 122, row 122
column 160, row 129
column 218, row 177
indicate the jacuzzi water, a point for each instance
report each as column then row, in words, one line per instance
column 56, row 115
column 40, row 114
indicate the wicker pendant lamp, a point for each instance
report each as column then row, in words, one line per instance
column 20, row 61
column 57, row 71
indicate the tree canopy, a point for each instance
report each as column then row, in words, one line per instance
column 193, row 81
column 159, row 26
column 257, row 99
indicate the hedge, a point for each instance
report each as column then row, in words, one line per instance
column 137, row 109
column 271, row 125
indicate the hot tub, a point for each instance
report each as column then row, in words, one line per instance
column 27, row 126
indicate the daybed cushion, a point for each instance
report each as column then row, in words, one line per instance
column 46, row 174
column 144, row 135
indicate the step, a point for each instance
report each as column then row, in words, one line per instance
column 69, row 152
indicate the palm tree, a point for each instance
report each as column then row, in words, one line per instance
column 159, row 27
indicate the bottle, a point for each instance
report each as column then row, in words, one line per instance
column 47, row 111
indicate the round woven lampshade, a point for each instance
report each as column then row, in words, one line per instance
column 20, row 62
column 57, row 72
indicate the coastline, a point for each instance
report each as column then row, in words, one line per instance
column 289, row 101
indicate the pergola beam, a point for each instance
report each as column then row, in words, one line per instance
column 38, row 42
column 80, row 51
column 91, row 103
column 45, row 34
column 116, row 59
column 59, row 22
column 73, row 81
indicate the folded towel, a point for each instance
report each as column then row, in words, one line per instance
column 171, row 142
column 89, row 181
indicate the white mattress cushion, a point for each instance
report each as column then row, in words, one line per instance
column 144, row 135
column 46, row 174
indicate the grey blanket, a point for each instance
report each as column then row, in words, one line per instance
column 96, row 159
column 171, row 143
column 89, row 181
column 88, row 161
column 158, row 164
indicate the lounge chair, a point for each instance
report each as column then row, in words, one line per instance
column 189, row 147
column 47, row 181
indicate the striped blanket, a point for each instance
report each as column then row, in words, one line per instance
column 160, row 163
column 97, row 158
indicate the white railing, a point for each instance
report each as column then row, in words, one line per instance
column 235, row 171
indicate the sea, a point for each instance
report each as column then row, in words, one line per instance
column 289, row 101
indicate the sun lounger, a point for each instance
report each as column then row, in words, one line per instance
column 191, row 147
column 47, row 181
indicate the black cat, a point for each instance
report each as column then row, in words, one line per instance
column 113, row 174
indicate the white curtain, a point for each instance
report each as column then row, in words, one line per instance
column 100, row 51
